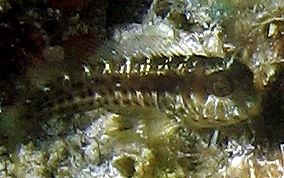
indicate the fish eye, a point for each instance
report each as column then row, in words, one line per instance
column 220, row 85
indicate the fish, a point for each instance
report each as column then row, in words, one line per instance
column 188, row 72
column 198, row 92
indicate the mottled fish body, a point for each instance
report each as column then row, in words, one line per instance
column 199, row 92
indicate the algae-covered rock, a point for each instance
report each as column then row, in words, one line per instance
column 172, row 89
